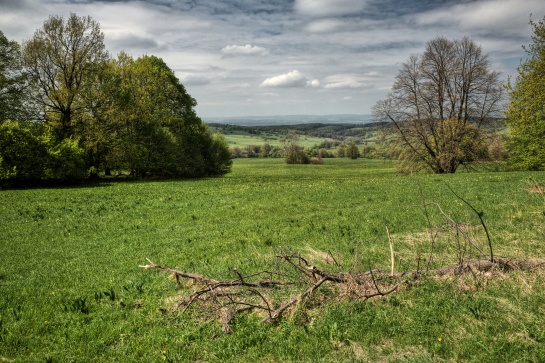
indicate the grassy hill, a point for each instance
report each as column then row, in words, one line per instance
column 310, row 134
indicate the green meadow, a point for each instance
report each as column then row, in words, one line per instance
column 242, row 139
column 71, row 289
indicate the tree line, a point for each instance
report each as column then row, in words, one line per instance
column 68, row 111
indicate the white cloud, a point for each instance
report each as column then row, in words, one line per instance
column 235, row 50
column 194, row 79
column 345, row 81
column 314, row 83
column 329, row 8
column 291, row 79
column 347, row 84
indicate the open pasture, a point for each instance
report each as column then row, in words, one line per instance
column 241, row 139
column 71, row 289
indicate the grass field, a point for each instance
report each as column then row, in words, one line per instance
column 71, row 289
column 240, row 139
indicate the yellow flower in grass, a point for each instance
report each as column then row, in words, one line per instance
column 439, row 339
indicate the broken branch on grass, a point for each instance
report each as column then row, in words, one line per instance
column 273, row 297
column 251, row 292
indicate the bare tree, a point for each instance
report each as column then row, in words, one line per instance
column 439, row 103
column 61, row 58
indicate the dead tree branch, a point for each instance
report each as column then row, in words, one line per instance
column 259, row 291
column 480, row 215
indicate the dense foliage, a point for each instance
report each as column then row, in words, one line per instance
column 29, row 153
column 95, row 114
column 526, row 112
column 13, row 81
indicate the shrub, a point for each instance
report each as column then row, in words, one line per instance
column 23, row 155
column 30, row 154
column 65, row 162
column 294, row 154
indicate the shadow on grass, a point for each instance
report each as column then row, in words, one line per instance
column 89, row 183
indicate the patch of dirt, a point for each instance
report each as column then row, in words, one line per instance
column 536, row 189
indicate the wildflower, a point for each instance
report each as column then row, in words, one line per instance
column 439, row 339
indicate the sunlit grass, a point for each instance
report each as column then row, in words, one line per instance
column 241, row 140
column 71, row 289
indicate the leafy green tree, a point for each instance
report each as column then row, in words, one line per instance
column 62, row 58
column 150, row 127
column 65, row 160
column 340, row 151
column 29, row 154
column 22, row 154
column 369, row 152
column 126, row 114
column 526, row 112
column 14, row 103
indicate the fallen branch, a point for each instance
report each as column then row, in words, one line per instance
column 259, row 291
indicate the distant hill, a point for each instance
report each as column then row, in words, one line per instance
column 291, row 120
column 311, row 133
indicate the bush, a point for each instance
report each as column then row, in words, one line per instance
column 221, row 160
column 22, row 154
column 29, row 154
column 65, row 162
column 294, row 154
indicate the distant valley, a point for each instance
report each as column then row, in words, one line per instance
column 291, row 120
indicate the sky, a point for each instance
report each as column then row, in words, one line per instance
column 289, row 57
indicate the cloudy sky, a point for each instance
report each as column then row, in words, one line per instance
column 286, row 57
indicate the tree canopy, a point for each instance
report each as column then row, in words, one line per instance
column 439, row 102
column 62, row 58
column 13, row 81
column 98, row 114
column 526, row 112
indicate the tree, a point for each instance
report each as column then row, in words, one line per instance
column 146, row 123
column 526, row 112
column 62, row 59
column 13, row 82
column 293, row 152
column 340, row 151
column 352, row 150
column 439, row 103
